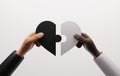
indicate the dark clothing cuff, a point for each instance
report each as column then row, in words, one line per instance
column 10, row 64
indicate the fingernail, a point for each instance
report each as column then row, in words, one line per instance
column 41, row 34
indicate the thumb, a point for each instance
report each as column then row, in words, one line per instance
column 80, row 38
column 37, row 36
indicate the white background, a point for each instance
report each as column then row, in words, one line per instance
column 98, row 18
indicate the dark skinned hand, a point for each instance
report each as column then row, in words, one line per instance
column 88, row 44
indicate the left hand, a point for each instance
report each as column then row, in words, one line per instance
column 88, row 44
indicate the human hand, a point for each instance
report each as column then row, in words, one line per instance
column 88, row 44
column 29, row 42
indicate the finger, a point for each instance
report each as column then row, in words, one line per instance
column 37, row 36
column 85, row 35
column 79, row 44
column 80, row 38
column 37, row 44
column 31, row 34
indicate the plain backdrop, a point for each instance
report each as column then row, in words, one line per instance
column 98, row 18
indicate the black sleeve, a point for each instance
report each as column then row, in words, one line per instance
column 10, row 64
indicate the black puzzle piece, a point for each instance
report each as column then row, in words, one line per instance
column 50, row 38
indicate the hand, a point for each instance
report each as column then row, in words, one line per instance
column 28, row 43
column 88, row 44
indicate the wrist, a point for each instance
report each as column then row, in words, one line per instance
column 96, row 53
column 20, row 53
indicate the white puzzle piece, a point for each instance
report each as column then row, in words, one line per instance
column 69, row 29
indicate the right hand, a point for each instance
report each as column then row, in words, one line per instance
column 88, row 44
column 29, row 42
